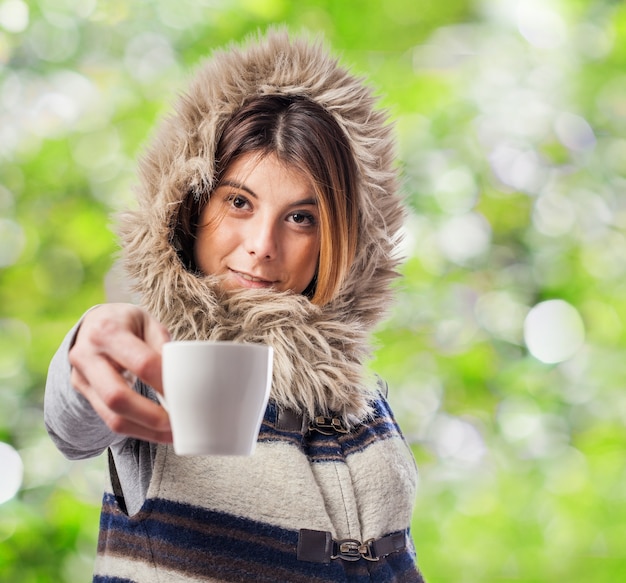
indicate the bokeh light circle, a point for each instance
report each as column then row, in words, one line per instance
column 553, row 331
column 12, row 472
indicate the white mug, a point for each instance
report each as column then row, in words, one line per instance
column 216, row 394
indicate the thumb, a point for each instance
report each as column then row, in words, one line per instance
column 155, row 335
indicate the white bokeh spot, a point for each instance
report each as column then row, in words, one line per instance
column 12, row 472
column 553, row 331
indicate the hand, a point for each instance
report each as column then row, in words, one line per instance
column 116, row 341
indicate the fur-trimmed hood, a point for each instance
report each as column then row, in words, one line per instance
column 319, row 352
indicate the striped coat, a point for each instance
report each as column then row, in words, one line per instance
column 222, row 519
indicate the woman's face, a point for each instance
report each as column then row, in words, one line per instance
column 260, row 228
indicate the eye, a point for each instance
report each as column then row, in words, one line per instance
column 237, row 201
column 302, row 218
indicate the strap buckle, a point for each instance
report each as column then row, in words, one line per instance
column 328, row 425
column 353, row 550
column 318, row 546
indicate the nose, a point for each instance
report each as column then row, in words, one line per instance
column 262, row 238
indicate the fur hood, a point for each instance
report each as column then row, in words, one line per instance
column 319, row 351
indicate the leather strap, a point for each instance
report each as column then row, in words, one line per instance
column 318, row 546
column 315, row 546
column 389, row 544
column 115, row 483
column 290, row 420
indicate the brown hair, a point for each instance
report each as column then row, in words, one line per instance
column 301, row 133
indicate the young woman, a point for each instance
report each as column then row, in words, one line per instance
column 267, row 212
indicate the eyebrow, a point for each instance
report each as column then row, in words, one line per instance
column 238, row 185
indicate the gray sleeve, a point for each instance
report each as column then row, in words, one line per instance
column 79, row 433
column 73, row 425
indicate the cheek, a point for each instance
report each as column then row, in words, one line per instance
column 307, row 263
column 205, row 252
column 212, row 238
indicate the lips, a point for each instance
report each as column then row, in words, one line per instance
column 252, row 278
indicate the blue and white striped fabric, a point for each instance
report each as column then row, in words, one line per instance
column 224, row 519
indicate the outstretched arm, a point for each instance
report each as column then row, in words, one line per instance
column 90, row 403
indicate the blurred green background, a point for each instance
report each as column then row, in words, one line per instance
column 506, row 352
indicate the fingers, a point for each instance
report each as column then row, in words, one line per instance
column 114, row 339
column 128, row 336
column 126, row 412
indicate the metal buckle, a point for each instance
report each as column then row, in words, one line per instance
column 367, row 552
column 328, row 425
column 350, row 549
